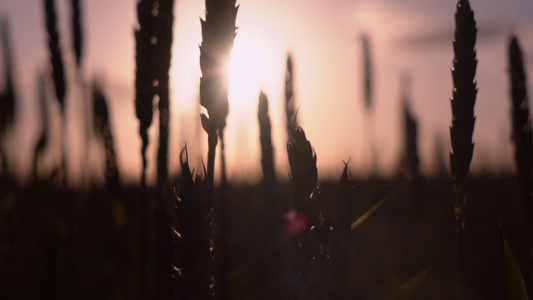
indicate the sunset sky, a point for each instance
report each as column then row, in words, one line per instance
column 411, row 36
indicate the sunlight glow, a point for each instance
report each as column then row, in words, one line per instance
column 248, row 68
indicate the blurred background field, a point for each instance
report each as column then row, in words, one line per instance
column 72, row 228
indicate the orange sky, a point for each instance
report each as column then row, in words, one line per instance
column 323, row 36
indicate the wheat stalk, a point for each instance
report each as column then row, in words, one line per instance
column 218, row 34
column 368, row 98
column 145, row 45
column 144, row 73
column 521, row 124
column 318, row 250
column 193, row 266
column 462, row 102
column 522, row 137
column 163, row 9
column 464, row 92
column 165, row 19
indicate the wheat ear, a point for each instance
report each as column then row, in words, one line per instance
column 521, row 123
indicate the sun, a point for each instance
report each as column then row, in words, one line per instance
column 248, row 68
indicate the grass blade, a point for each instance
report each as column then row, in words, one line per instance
column 514, row 282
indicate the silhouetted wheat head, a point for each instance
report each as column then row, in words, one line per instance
column 218, row 34
column 462, row 102
column 194, row 252
column 522, row 137
column 145, row 80
column 521, row 121
column 290, row 105
column 54, row 47
column 77, row 37
column 310, row 239
column 7, row 97
column 165, row 19
column 412, row 161
column 367, row 71
column 265, row 135
column 464, row 92
column 304, row 173
column 102, row 126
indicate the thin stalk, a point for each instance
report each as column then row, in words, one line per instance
column 522, row 137
column 164, row 24
column 145, row 48
column 223, row 243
